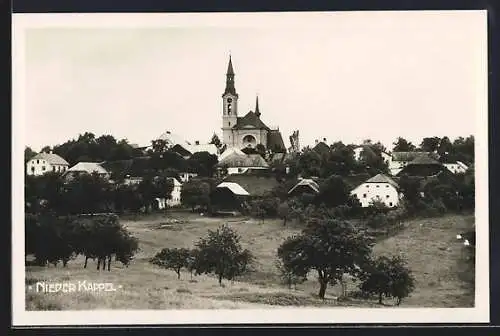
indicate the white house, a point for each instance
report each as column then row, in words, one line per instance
column 46, row 162
column 175, row 198
column 86, row 168
column 380, row 188
column 457, row 167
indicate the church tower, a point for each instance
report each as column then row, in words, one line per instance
column 229, row 107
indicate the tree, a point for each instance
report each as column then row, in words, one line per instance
column 216, row 141
column 333, row 191
column 88, row 193
column 388, row 277
column 430, row 144
column 403, row 145
column 328, row 246
column 445, row 147
column 221, row 253
column 284, row 212
column 202, row 163
column 288, row 276
column 28, row 154
column 174, row 259
column 195, row 193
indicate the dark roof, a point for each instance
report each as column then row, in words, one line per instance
column 305, row 183
column 250, row 120
column 179, row 149
column 321, row 148
column 256, row 185
column 424, row 160
column 230, row 70
column 275, row 141
column 410, row 156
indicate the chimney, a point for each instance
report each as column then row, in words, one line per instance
column 197, row 142
column 324, row 140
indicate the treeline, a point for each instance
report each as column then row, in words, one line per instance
column 52, row 239
column 91, row 193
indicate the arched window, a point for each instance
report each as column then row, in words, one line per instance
column 249, row 141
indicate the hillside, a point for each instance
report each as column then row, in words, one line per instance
column 430, row 246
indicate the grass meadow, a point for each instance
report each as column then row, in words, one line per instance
column 433, row 253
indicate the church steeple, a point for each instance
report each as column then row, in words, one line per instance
column 230, row 79
column 257, row 112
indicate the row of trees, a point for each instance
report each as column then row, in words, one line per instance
column 327, row 247
column 91, row 193
column 219, row 253
column 53, row 239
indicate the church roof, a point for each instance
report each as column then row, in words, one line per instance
column 275, row 141
column 250, row 120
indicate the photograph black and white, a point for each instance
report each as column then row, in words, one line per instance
column 305, row 167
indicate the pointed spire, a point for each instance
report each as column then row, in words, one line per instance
column 230, row 70
column 230, row 79
column 257, row 112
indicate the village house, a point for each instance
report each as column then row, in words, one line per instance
column 423, row 166
column 304, row 186
column 399, row 160
column 46, row 162
column 86, row 168
column 378, row 188
column 236, row 190
column 236, row 163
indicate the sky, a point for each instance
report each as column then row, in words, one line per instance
column 341, row 76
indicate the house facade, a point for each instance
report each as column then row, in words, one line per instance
column 378, row 188
column 46, row 162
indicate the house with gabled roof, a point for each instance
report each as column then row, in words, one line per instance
column 86, row 168
column 399, row 160
column 46, row 162
column 378, row 188
column 304, row 186
column 236, row 163
column 248, row 130
column 423, row 166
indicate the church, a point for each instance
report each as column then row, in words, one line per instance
column 247, row 131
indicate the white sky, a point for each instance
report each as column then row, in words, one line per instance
column 344, row 76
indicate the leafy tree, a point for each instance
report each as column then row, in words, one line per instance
column 284, row 212
column 216, row 141
column 221, row 253
column 195, row 193
column 388, row 277
column 403, row 145
column 174, row 259
column 445, row 147
column 28, row 154
column 328, row 246
column 333, row 192
column 202, row 163
column 288, row 276
column 88, row 193
column 430, row 144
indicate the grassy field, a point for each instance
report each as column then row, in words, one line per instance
column 429, row 245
